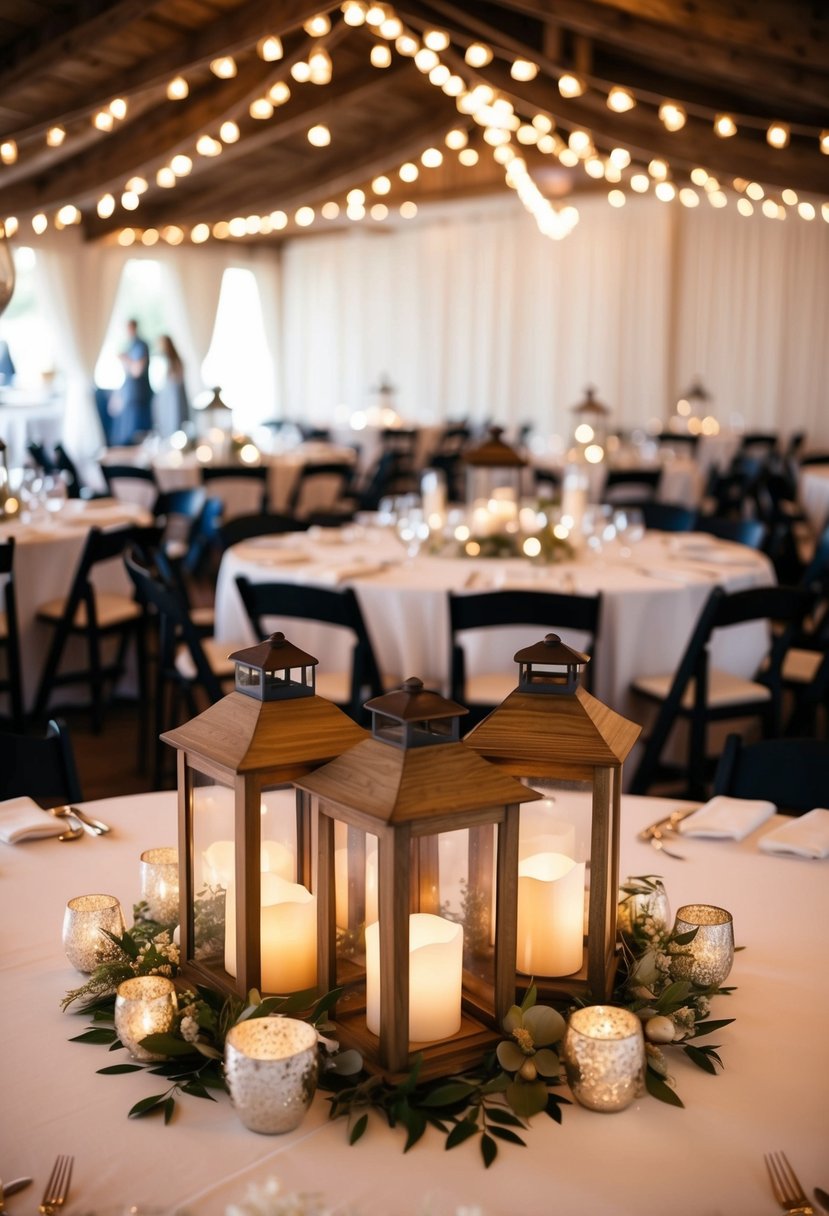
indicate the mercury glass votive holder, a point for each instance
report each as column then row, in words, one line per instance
column 84, row 921
column 707, row 960
column 604, row 1057
column 159, row 884
column 145, row 1004
column 271, row 1071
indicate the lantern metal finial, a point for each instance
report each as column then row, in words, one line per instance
column 264, row 671
column 540, row 667
column 414, row 716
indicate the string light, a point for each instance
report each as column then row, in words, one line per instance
column 379, row 211
column 319, row 61
column 105, row 206
column 10, row 225
column 261, row 108
column 8, row 152
column 769, row 208
column 165, row 178
column 304, row 216
column 118, row 108
column 778, row 135
column 279, row 93
column 468, row 157
column 39, row 223
column 431, row 158
column 301, row 71
column 658, row 169
column 478, row 55
column 789, row 197
column 568, row 158
column 375, row 15
column 523, row 69
column 425, row 60
column 688, row 197
column 381, row 55
column 408, row 172
column 594, row 168
column 138, row 185
column 456, row 139
column 408, row 210
column 391, row 28
column 579, row 142
column 620, row 157
column 269, row 48
column 672, row 115
column 354, row 13
column 126, row 236
column 330, row 210
column 178, row 89
column 279, row 220
column 149, row 237
column 745, row 207
column 224, row 67
column 806, row 211
column 570, row 85
column 318, row 26
column 229, row 132
column 640, row 183
column 356, row 197
column 206, row 145
column 103, row 120
column 381, row 185
column 407, row 45
column 181, row 164
column 319, row 136
column 130, row 200
column 824, row 142
column 617, row 198
column 665, row 191
column 755, row 191
column 699, row 176
column 69, row 214
column 620, row 100
column 199, row 234
column 439, row 75
column 724, row 126
column 55, row 137
column 526, row 134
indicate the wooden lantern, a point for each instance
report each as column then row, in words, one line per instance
column 416, row 898
column 493, row 471
column 566, row 744
column 590, row 427
column 247, row 909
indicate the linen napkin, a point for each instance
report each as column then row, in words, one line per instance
column 724, row 818
column 345, row 574
column 807, row 836
column 22, row 819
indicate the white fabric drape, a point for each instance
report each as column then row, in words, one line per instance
column 194, row 279
column 77, row 284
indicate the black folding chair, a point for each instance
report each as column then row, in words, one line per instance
column 348, row 689
column 132, row 483
column 247, row 527
column 623, row 485
column 751, row 532
column 336, row 478
column 547, row 610
column 791, row 773
column 699, row 693
column 42, row 768
column 665, row 516
column 11, row 682
column 251, row 480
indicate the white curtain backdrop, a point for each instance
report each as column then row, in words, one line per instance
column 194, row 279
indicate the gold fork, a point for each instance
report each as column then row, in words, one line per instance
column 57, row 1188
column 786, row 1186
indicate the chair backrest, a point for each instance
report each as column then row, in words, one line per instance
column 666, row 516
column 99, row 547
column 621, row 485
column 41, row 457
column 759, row 442
column 41, row 767
column 132, row 483
column 244, row 527
column 547, row 610
column 66, row 465
column 791, row 773
column 174, row 623
column 337, row 473
column 11, row 683
column 668, row 439
column 330, row 607
column 751, row 532
column 816, row 573
column 813, row 458
column 221, row 478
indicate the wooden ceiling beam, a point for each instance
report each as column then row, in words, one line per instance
column 730, row 66
column 229, row 35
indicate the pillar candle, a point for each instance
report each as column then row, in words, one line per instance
column 550, row 915
column 435, row 977
column 288, row 935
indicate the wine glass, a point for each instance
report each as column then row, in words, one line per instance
column 630, row 528
column 412, row 530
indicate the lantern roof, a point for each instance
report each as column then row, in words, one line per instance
column 393, row 785
column 411, row 702
column 551, row 651
column 591, row 404
column 274, row 654
column 288, row 738
column 564, row 737
column 494, row 453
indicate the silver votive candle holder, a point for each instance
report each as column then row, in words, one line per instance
column 86, row 921
column 271, row 1069
column 708, row 958
column 159, row 884
column 604, row 1057
column 144, row 1005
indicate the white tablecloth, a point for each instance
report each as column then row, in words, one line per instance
column 45, row 558
column 704, row 1160
column 651, row 602
column 813, row 489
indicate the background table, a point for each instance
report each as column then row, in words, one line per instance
column 813, row 490
column 703, row 1160
column 651, row 602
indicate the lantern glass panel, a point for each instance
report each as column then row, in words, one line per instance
column 355, row 896
column 462, row 889
column 213, row 865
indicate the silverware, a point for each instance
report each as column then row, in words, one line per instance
column 657, row 841
column 668, row 822
column 786, row 1186
column 100, row 827
column 822, row 1197
column 11, row 1188
column 69, row 814
column 57, row 1188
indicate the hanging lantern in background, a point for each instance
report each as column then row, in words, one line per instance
column 493, row 484
column 570, row 747
column 418, row 851
column 247, row 906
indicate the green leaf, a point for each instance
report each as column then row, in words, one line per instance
column 415, row 1123
column 407, row 1086
column 97, row 1035
column 167, row 1045
column 169, row 1107
column 546, row 1025
column 345, row 1063
column 547, row 1063
column 118, row 1068
column 497, row 1114
column 449, row 1094
column 554, row 1105
column 527, row 1098
column 147, row 1106
column 704, row 1057
column 684, row 939
column 460, row 1132
column 197, row 1090
column 504, row 1133
column 510, row 1056
column 325, row 1003
column 657, row 1088
column 489, row 1149
column 358, row 1129
column 497, row 1085
column 702, row 1028
column 513, row 1018
column 205, row 1049
column 530, row 997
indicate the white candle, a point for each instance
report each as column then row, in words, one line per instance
column 550, row 915
column 288, row 935
column 481, row 520
column 541, row 832
column 435, row 976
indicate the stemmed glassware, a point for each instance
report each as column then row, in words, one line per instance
column 629, row 524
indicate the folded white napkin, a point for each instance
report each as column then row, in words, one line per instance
column 724, row 818
column 346, row 574
column 806, row 836
column 22, row 819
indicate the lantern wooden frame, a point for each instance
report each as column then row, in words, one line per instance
column 550, row 728
column 490, row 465
column 404, row 787
column 269, row 731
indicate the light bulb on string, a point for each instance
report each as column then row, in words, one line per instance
column 178, row 89
column 620, row 100
column 269, row 48
column 381, row 55
column 478, row 55
column 672, row 115
column 778, row 135
column 55, row 137
column 570, row 85
column 724, row 126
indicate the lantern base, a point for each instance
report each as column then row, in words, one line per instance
column 441, row 1058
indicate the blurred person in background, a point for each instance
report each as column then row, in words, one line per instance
column 133, row 405
column 170, row 406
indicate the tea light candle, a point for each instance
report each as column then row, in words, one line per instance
column 271, row 1067
column 550, row 915
column 287, row 935
column 604, row 1057
column 435, row 977
column 84, row 921
column 706, row 960
column 144, row 1005
column 159, row 884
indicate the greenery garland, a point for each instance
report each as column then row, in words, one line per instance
column 492, row 1101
